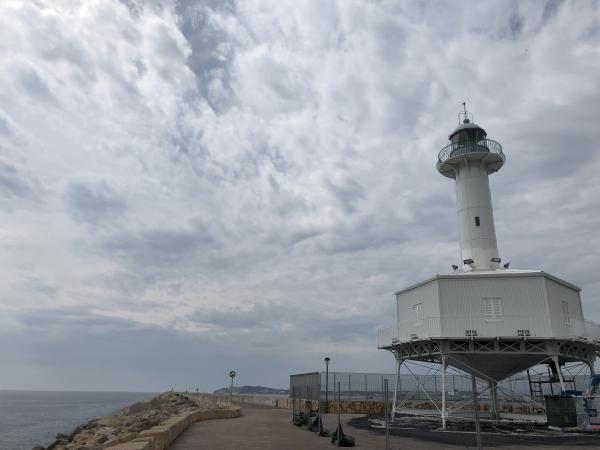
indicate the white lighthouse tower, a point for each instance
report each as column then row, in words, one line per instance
column 484, row 318
column 470, row 158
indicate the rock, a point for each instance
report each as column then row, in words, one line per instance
column 101, row 439
column 150, row 414
column 38, row 447
column 125, row 424
column 54, row 445
column 135, row 408
column 75, row 431
column 136, row 427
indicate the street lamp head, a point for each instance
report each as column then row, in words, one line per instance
column 327, row 359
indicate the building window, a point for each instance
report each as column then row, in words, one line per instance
column 492, row 309
column 417, row 314
column 477, row 223
column 566, row 314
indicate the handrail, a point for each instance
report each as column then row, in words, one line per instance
column 537, row 326
column 482, row 146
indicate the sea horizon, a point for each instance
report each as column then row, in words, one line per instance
column 34, row 417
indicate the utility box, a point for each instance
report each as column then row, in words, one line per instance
column 564, row 412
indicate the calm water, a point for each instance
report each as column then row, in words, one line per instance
column 28, row 418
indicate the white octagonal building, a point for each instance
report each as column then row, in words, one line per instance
column 491, row 309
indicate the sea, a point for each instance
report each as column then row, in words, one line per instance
column 29, row 418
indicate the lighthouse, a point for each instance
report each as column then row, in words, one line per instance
column 487, row 320
column 470, row 158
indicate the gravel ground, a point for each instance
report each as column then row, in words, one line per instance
column 461, row 433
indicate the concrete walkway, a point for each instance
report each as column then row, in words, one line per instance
column 271, row 429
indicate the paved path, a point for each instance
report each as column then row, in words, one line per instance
column 270, row 429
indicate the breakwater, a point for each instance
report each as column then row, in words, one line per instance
column 148, row 425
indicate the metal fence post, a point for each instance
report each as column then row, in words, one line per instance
column 349, row 386
column 339, row 410
column 334, row 386
column 386, row 415
column 293, row 403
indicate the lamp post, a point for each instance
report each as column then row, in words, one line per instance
column 327, row 359
column 232, row 375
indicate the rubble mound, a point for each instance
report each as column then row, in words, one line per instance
column 125, row 424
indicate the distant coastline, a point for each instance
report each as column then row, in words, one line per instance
column 251, row 390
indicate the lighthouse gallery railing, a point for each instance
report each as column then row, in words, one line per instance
column 482, row 146
column 527, row 326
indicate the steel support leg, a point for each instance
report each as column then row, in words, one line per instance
column 444, row 392
column 494, row 398
column 476, row 406
column 560, row 377
column 398, row 365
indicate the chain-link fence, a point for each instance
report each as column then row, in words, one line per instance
column 369, row 386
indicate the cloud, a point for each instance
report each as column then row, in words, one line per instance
column 5, row 126
column 12, row 181
column 252, row 177
column 35, row 86
column 94, row 203
column 161, row 247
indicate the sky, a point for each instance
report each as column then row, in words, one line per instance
column 190, row 187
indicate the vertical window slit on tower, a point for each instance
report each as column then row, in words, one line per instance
column 477, row 223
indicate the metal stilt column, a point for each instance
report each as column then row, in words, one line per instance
column 398, row 365
column 494, row 398
column 559, row 372
column 444, row 392
column 476, row 406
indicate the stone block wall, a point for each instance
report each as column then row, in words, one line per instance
column 161, row 436
column 274, row 401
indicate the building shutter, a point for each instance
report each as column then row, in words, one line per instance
column 492, row 309
column 417, row 314
column 566, row 314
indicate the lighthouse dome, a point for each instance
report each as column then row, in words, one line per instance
column 467, row 132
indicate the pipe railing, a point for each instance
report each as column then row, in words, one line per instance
column 482, row 146
column 519, row 326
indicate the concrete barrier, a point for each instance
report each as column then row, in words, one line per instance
column 273, row 401
column 163, row 435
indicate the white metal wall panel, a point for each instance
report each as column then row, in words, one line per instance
column 427, row 295
column 557, row 294
column 522, row 298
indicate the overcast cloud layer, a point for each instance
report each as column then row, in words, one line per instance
column 190, row 187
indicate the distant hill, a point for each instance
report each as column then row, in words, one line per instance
column 254, row 390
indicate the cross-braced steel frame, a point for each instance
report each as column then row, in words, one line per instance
column 452, row 352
